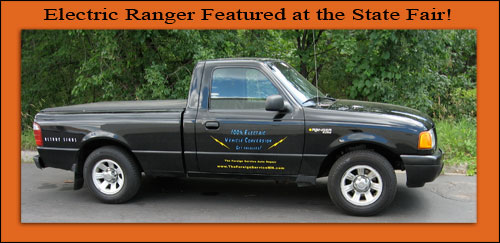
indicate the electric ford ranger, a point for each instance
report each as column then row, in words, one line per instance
column 247, row 118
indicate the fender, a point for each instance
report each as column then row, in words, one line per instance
column 317, row 165
column 361, row 137
column 100, row 134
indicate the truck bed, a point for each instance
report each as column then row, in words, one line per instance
column 121, row 107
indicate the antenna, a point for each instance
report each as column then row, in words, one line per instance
column 315, row 69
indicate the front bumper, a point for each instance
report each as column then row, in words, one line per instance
column 422, row 168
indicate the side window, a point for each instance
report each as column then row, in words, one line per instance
column 240, row 88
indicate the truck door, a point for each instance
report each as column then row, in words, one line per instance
column 234, row 132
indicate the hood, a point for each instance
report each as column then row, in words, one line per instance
column 374, row 112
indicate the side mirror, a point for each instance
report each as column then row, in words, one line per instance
column 275, row 103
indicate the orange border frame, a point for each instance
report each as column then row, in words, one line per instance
column 482, row 16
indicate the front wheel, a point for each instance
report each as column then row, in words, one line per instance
column 112, row 174
column 362, row 183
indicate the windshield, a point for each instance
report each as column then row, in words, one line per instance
column 300, row 88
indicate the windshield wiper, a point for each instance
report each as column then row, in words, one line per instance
column 319, row 98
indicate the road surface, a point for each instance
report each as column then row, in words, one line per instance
column 47, row 196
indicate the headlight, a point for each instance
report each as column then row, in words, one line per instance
column 426, row 140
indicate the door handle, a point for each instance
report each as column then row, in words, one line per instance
column 212, row 124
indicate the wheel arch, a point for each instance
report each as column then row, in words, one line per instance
column 381, row 149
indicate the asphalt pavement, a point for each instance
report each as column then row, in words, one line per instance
column 47, row 196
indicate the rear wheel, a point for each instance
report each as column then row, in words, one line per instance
column 112, row 175
column 362, row 183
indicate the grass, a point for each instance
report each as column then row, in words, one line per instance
column 28, row 140
column 457, row 139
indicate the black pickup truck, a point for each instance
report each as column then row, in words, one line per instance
column 246, row 118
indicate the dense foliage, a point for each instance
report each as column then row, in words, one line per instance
column 457, row 139
column 430, row 70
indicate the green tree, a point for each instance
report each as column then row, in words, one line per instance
column 430, row 70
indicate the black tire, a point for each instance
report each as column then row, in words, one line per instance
column 366, row 161
column 119, row 159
